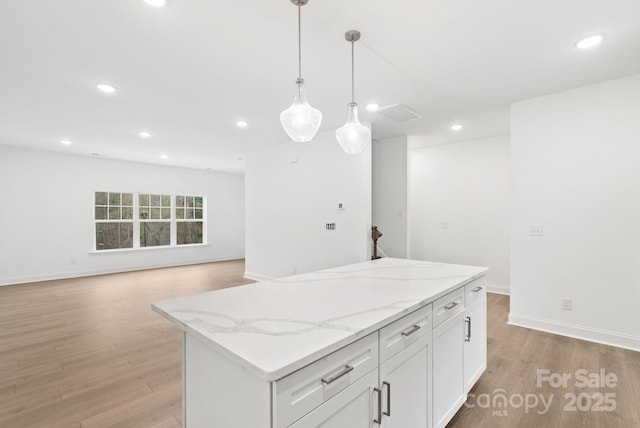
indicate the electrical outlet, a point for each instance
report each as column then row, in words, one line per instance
column 536, row 230
column 567, row 304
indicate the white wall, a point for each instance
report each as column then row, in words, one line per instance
column 459, row 205
column 46, row 214
column 288, row 203
column 576, row 171
column 389, row 194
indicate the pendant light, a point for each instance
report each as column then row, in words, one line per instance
column 300, row 121
column 353, row 136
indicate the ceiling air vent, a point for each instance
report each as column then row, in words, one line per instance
column 399, row 113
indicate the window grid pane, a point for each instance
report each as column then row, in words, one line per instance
column 101, row 198
column 110, row 236
column 153, row 234
column 189, row 232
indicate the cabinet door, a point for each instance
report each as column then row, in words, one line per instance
column 475, row 345
column 354, row 407
column 405, row 381
column 448, row 369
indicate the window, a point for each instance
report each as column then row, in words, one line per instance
column 141, row 220
column 113, row 220
column 189, row 219
column 152, row 209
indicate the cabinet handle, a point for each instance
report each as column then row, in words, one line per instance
column 451, row 305
column 410, row 330
column 388, row 385
column 328, row 380
column 379, row 420
column 468, row 322
column 475, row 290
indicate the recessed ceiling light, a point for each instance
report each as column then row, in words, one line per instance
column 144, row 134
column 242, row 124
column 164, row 156
column 106, row 88
column 65, row 142
column 456, row 127
column 373, row 107
column 590, row 41
column 156, row 3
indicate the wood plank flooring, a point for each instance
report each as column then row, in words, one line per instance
column 90, row 352
column 514, row 356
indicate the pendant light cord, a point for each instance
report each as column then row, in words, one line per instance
column 353, row 84
column 299, row 42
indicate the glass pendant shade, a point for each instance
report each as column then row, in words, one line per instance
column 301, row 121
column 353, row 136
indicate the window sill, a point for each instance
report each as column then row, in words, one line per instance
column 135, row 250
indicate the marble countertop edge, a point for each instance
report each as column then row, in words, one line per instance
column 273, row 374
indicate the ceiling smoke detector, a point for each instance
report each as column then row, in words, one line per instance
column 399, row 113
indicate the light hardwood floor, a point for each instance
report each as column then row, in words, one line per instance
column 90, row 352
column 514, row 356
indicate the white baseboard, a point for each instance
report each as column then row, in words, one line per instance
column 579, row 332
column 498, row 289
column 257, row 277
column 92, row 272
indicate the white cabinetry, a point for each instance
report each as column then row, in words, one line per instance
column 405, row 371
column 448, row 369
column 405, row 387
column 349, row 388
column 323, row 381
column 459, row 348
column 475, row 345
column 413, row 372
column 351, row 408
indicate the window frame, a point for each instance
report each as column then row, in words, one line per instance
column 141, row 221
column 113, row 221
column 136, row 222
column 191, row 220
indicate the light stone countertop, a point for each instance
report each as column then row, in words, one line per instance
column 276, row 327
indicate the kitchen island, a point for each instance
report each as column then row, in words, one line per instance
column 338, row 348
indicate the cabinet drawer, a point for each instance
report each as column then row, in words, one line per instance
column 447, row 306
column 401, row 333
column 300, row 392
column 475, row 291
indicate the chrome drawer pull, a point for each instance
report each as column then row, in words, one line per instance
column 410, row 331
column 468, row 322
column 328, row 380
column 388, row 385
column 475, row 290
column 379, row 420
column 451, row 305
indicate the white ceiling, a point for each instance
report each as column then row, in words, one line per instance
column 188, row 71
